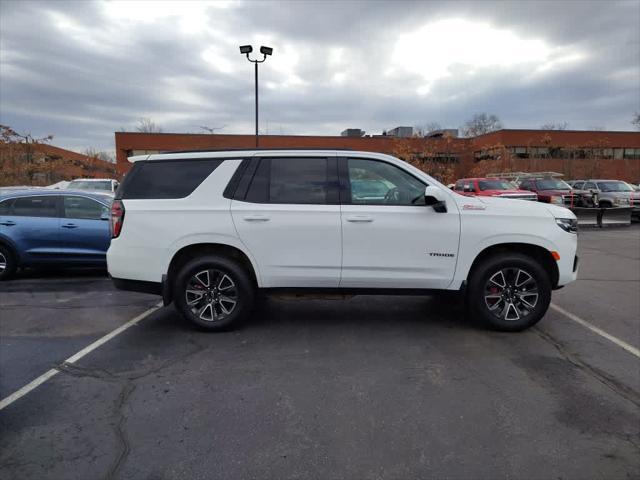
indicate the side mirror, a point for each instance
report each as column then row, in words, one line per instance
column 433, row 197
column 105, row 216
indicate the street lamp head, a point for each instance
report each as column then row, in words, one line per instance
column 266, row 50
column 246, row 49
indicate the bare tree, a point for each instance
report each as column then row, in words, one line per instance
column 99, row 154
column 555, row 126
column 636, row 120
column 480, row 124
column 425, row 129
column 20, row 161
column 146, row 125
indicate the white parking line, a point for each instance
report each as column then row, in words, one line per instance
column 74, row 358
column 621, row 343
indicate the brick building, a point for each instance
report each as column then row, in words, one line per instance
column 44, row 164
column 575, row 153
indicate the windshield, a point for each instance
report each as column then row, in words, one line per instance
column 86, row 185
column 614, row 187
column 553, row 184
column 495, row 185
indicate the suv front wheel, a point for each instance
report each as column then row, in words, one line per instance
column 214, row 292
column 509, row 292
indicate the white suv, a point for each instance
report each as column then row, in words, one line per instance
column 206, row 230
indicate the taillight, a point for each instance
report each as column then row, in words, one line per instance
column 117, row 218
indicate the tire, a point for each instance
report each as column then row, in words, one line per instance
column 8, row 263
column 206, row 288
column 509, row 292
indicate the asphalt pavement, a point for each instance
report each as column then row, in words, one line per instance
column 370, row 387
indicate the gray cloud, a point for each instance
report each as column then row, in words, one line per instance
column 82, row 70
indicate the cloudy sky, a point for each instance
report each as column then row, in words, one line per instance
column 82, row 70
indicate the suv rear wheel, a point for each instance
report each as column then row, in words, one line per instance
column 510, row 292
column 214, row 292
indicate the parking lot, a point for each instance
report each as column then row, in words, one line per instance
column 368, row 387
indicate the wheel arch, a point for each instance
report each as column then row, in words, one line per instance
column 4, row 241
column 188, row 252
column 536, row 252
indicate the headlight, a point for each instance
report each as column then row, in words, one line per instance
column 569, row 225
column 622, row 201
column 556, row 200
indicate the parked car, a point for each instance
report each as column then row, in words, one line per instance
column 558, row 192
column 104, row 185
column 208, row 230
column 492, row 187
column 61, row 227
column 611, row 193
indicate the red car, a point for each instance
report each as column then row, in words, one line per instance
column 559, row 192
column 492, row 187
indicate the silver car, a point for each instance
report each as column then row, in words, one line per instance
column 611, row 193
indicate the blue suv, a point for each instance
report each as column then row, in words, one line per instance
column 69, row 228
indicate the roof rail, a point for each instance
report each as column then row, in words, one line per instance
column 204, row 150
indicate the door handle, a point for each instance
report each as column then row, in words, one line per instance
column 256, row 218
column 8, row 223
column 69, row 225
column 359, row 218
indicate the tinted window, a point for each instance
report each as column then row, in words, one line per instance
column 166, row 178
column 590, row 186
column 297, row 180
column 380, row 183
column 459, row 185
column 578, row 185
column 39, row 206
column 5, row 207
column 83, row 208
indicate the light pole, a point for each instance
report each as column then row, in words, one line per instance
column 246, row 50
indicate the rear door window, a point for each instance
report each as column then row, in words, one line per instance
column 164, row 179
column 36, row 206
column 83, row 208
column 292, row 181
column 301, row 181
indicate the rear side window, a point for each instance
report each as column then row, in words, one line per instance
column 37, row 206
column 166, row 178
